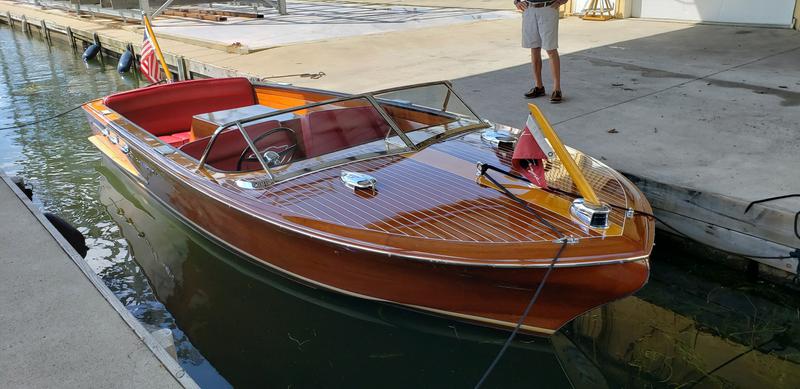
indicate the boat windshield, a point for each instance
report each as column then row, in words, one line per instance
column 303, row 139
column 426, row 112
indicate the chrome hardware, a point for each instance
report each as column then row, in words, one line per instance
column 355, row 181
column 595, row 216
column 113, row 138
column 568, row 240
column 479, row 172
column 496, row 138
column 630, row 213
column 106, row 112
column 253, row 183
column 124, row 147
column 271, row 157
column 164, row 149
column 104, row 130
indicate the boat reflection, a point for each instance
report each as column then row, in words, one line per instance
column 260, row 329
column 696, row 325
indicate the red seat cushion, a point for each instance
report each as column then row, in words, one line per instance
column 337, row 129
column 168, row 108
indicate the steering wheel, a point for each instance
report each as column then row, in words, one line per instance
column 283, row 156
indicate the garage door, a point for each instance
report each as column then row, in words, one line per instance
column 772, row 12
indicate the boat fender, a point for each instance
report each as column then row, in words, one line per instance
column 70, row 233
column 91, row 52
column 20, row 183
column 125, row 62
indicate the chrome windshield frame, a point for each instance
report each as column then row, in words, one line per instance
column 369, row 97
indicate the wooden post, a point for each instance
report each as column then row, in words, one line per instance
column 45, row 33
column 183, row 74
column 96, row 40
column 71, row 38
column 10, row 21
column 25, row 24
column 135, row 61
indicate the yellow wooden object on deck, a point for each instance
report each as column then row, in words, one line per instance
column 574, row 171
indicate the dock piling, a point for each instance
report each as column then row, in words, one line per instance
column 46, row 33
column 96, row 39
column 10, row 21
column 182, row 73
column 71, row 38
column 25, row 27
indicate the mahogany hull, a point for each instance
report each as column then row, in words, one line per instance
column 489, row 282
column 485, row 295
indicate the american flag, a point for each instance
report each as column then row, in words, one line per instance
column 149, row 62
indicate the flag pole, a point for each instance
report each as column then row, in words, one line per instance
column 156, row 47
column 569, row 164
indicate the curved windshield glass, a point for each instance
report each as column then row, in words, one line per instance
column 426, row 112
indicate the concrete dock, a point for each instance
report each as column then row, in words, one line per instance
column 704, row 116
column 60, row 327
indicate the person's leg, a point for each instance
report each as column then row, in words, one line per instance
column 555, row 66
column 531, row 39
column 549, row 30
column 536, row 62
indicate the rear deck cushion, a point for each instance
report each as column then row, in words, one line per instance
column 168, row 108
column 177, row 139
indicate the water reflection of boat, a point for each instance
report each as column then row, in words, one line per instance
column 374, row 195
column 255, row 326
column 697, row 328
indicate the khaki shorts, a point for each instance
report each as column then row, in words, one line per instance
column 540, row 28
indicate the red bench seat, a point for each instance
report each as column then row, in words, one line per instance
column 167, row 109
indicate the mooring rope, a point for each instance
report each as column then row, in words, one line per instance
column 58, row 115
column 483, row 172
column 768, row 199
column 313, row 76
column 41, row 120
column 483, row 168
column 794, row 254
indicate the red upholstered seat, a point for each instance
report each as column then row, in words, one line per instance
column 337, row 129
column 177, row 139
column 167, row 109
column 229, row 146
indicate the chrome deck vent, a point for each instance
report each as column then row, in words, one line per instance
column 496, row 138
column 356, row 181
column 595, row 216
column 253, row 183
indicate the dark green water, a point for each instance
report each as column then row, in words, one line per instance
column 694, row 325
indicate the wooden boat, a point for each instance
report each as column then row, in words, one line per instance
column 375, row 195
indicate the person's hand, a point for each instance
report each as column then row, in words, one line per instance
column 521, row 5
column 558, row 3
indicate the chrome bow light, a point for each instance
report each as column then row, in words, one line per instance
column 595, row 216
